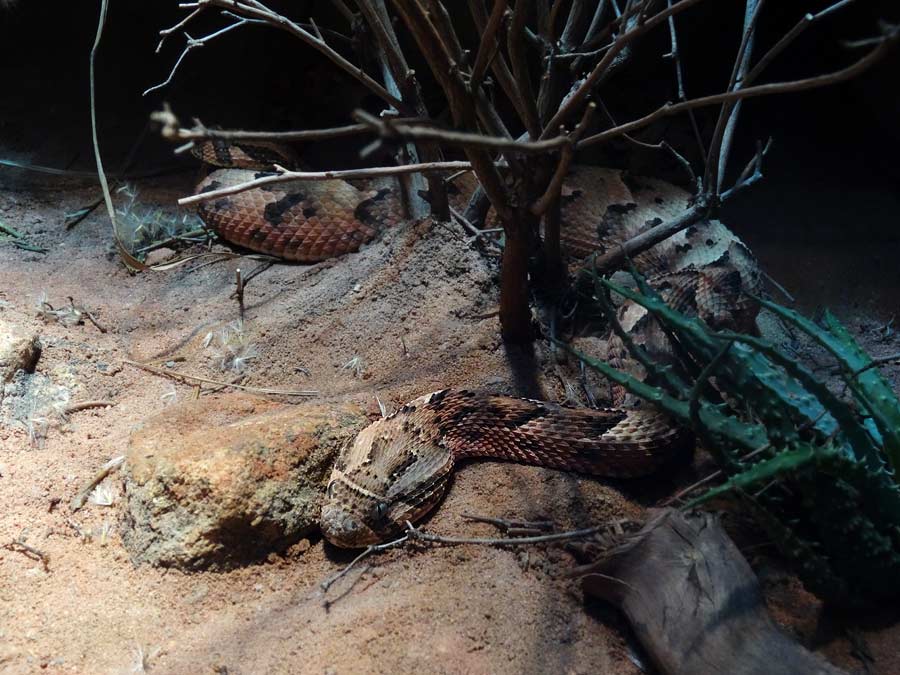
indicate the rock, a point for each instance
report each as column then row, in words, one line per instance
column 19, row 350
column 226, row 480
column 159, row 255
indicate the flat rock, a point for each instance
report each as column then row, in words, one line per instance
column 225, row 480
column 19, row 350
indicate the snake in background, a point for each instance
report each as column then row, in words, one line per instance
column 398, row 468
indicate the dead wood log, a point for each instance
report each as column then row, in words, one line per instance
column 693, row 601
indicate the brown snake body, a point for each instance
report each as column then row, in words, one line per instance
column 397, row 469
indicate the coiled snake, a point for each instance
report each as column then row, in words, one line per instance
column 397, row 469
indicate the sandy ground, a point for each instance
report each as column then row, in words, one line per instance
column 411, row 309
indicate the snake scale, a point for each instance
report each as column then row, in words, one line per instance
column 397, row 469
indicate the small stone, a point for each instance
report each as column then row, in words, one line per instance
column 226, row 480
column 19, row 350
column 198, row 594
column 298, row 549
column 158, row 256
column 109, row 369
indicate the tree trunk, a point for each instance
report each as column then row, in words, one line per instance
column 553, row 269
column 515, row 316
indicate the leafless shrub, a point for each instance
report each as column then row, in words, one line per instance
column 521, row 161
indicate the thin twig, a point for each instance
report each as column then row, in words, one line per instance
column 616, row 256
column 388, row 128
column 720, row 144
column 374, row 548
column 513, row 528
column 129, row 260
column 662, row 145
column 751, row 173
column 881, row 360
column 419, row 535
column 172, row 130
column 580, row 93
column 20, row 546
column 792, row 35
column 285, row 176
column 192, row 44
column 87, row 405
column 256, row 10
column 679, row 79
column 489, row 45
column 551, row 194
column 239, row 292
column 82, row 495
column 166, row 32
column 882, row 47
column 184, row 379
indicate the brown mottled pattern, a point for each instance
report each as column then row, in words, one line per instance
column 258, row 155
column 304, row 221
column 398, row 468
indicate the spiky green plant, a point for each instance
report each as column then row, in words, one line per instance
column 823, row 466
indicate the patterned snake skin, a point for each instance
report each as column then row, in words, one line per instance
column 306, row 221
column 397, row 469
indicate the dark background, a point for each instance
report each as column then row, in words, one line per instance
column 825, row 219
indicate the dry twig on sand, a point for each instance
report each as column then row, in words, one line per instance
column 82, row 496
column 184, row 378
column 21, row 546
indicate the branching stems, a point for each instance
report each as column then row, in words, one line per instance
column 284, row 175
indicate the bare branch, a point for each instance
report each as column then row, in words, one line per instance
column 191, row 44
column 166, row 32
column 184, row 378
column 465, row 110
column 578, row 96
column 285, row 176
column 860, row 66
column 342, row 7
column 568, row 39
column 172, row 130
column 792, row 35
column 489, row 45
column 720, row 145
column 679, row 78
column 599, row 11
column 498, row 64
column 515, row 44
column 420, row 535
column 747, row 178
column 551, row 194
column 388, row 128
column 614, row 258
column 400, row 80
column 256, row 10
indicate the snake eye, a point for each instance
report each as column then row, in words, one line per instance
column 329, row 491
column 381, row 509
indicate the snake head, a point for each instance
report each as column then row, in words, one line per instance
column 354, row 517
column 356, row 527
column 394, row 472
